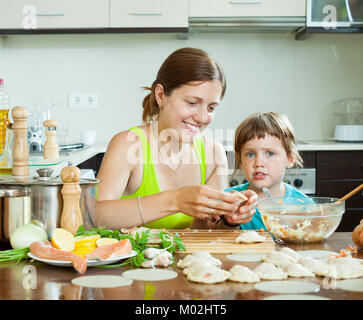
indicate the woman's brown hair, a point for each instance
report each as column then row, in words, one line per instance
column 259, row 124
column 181, row 67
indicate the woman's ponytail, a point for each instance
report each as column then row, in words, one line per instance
column 150, row 106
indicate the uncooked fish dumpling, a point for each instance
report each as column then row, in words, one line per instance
column 318, row 267
column 291, row 253
column 347, row 267
column 240, row 273
column 297, row 271
column 196, row 257
column 196, row 266
column 207, row 273
column 279, row 259
column 249, row 237
column 268, row 271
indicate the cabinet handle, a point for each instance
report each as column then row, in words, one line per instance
column 246, row 2
column 50, row 14
column 146, row 13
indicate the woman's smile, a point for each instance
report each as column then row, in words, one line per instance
column 191, row 127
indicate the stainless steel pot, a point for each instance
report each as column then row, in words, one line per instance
column 15, row 210
column 46, row 202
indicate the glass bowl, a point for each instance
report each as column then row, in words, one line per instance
column 301, row 220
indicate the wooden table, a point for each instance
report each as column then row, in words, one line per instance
column 53, row 283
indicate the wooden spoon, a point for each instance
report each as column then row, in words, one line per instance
column 353, row 192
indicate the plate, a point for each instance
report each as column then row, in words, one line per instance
column 90, row 263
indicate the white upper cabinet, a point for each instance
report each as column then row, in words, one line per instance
column 148, row 13
column 54, row 14
column 247, row 8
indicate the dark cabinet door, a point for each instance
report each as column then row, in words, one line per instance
column 339, row 165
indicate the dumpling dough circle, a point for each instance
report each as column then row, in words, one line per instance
column 105, row 281
column 150, row 274
column 296, row 297
column 287, row 286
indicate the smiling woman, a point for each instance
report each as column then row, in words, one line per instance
column 165, row 174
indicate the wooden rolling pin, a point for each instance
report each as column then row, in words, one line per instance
column 51, row 147
column 71, row 218
column 20, row 152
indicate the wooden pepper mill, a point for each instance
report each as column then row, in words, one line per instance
column 71, row 218
column 51, row 147
column 20, row 152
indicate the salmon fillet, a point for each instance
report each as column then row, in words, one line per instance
column 122, row 247
column 45, row 250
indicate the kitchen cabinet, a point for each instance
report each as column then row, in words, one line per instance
column 149, row 14
column 337, row 173
column 247, row 8
column 54, row 14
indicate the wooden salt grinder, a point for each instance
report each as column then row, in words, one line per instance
column 20, row 152
column 51, row 147
column 71, row 218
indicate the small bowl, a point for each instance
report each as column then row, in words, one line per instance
column 301, row 220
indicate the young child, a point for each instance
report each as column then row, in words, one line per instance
column 264, row 147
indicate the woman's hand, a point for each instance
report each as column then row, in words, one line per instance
column 245, row 213
column 206, row 202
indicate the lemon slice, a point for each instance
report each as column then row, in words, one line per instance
column 105, row 241
column 63, row 239
column 86, row 241
column 83, row 251
column 85, row 238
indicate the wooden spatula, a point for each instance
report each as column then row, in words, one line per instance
column 353, row 192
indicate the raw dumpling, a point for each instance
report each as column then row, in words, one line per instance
column 297, row 270
column 318, row 267
column 206, row 273
column 279, row 259
column 242, row 274
column 347, row 268
column 159, row 258
column 268, row 271
column 196, row 257
column 291, row 253
column 249, row 237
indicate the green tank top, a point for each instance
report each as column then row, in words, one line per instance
column 150, row 184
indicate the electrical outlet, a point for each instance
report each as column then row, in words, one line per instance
column 83, row 100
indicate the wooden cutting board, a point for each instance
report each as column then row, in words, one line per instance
column 221, row 241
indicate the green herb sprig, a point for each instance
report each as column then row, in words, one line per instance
column 14, row 254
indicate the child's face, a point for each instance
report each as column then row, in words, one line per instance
column 264, row 162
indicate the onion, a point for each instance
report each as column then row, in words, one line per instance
column 23, row 236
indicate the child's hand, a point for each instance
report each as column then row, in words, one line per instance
column 245, row 213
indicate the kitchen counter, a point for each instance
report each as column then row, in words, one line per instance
column 327, row 145
column 54, row 283
column 76, row 157
column 81, row 155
